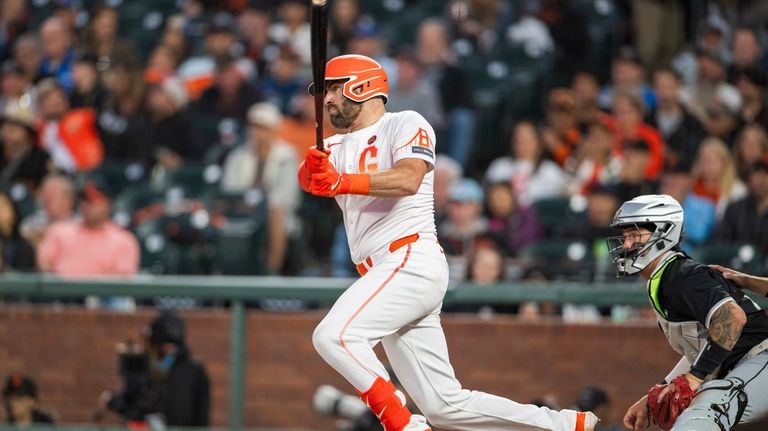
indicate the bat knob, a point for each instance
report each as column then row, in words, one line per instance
column 319, row 2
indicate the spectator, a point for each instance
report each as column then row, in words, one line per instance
column 746, row 219
column 225, row 103
column 292, row 29
column 56, row 200
column 162, row 63
column 751, row 147
column 14, row 21
column 627, row 76
column 169, row 131
column 751, row 83
column 464, row 226
column 561, row 133
column 633, row 180
column 700, row 216
column 58, row 54
column 266, row 162
column 88, row 91
column 481, row 23
column 714, row 175
column 627, row 126
column 441, row 69
column 486, row 266
column 92, row 246
column 344, row 17
column 568, row 25
column 22, row 161
column 594, row 161
column 101, row 39
column 69, row 135
column 121, row 123
column 662, row 33
column 586, row 90
column 532, row 177
column 447, row 173
column 283, row 81
column 20, row 399
column 28, row 55
column 367, row 41
column 15, row 85
column 298, row 127
column 511, row 225
column 747, row 54
column 414, row 93
column 602, row 204
column 221, row 45
column 710, row 83
column 173, row 384
column 16, row 254
column 722, row 116
column 681, row 130
column 712, row 36
column 253, row 27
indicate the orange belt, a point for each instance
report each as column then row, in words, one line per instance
column 364, row 266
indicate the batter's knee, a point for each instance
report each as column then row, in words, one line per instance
column 325, row 339
column 438, row 412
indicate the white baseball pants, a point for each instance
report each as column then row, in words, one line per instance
column 397, row 302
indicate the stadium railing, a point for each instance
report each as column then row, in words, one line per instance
column 239, row 290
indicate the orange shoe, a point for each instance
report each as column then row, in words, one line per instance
column 586, row 421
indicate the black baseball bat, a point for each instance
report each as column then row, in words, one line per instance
column 319, row 30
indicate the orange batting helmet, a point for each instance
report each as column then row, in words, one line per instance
column 365, row 78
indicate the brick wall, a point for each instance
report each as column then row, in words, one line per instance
column 71, row 353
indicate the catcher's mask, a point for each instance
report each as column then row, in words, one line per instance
column 363, row 77
column 651, row 225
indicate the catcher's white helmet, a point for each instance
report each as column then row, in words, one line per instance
column 660, row 214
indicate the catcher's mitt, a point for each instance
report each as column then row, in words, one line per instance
column 664, row 413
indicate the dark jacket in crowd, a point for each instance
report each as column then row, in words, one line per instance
column 174, row 133
column 743, row 223
column 683, row 143
column 124, row 137
column 29, row 168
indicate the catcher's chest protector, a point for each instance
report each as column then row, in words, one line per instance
column 688, row 338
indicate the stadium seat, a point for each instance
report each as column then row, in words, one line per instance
column 740, row 256
column 193, row 179
column 558, row 212
column 120, row 176
column 177, row 244
column 568, row 259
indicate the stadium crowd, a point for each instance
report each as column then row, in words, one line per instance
column 163, row 136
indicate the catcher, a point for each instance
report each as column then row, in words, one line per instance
column 722, row 335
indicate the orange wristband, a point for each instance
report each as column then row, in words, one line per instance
column 355, row 184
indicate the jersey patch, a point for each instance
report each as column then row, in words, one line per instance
column 423, row 150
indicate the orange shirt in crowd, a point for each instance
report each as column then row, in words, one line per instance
column 70, row 249
column 301, row 134
column 647, row 134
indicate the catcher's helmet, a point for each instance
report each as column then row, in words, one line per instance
column 365, row 78
column 662, row 215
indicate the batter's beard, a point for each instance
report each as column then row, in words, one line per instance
column 346, row 115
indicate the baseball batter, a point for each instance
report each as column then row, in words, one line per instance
column 380, row 172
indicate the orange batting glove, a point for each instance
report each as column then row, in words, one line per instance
column 330, row 183
column 316, row 160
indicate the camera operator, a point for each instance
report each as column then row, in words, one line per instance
column 162, row 384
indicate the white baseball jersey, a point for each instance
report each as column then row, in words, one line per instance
column 374, row 222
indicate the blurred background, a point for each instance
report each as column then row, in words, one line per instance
column 162, row 268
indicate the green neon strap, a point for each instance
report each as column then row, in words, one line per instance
column 654, row 290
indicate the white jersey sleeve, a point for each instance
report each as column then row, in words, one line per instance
column 414, row 138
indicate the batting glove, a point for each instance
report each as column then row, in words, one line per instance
column 316, row 160
column 330, row 183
